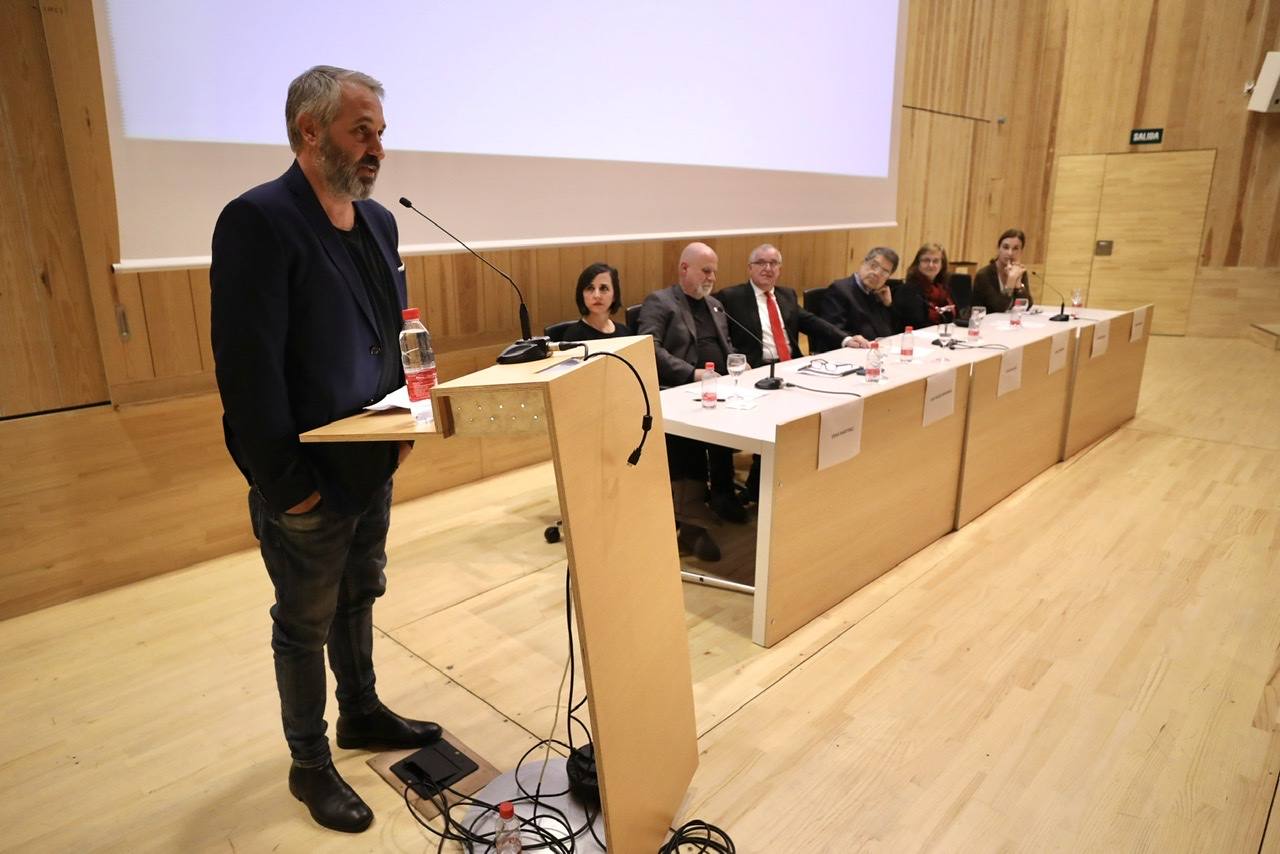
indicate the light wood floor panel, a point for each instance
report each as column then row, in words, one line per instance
column 1091, row 667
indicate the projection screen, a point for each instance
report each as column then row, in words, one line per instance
column 517, row 124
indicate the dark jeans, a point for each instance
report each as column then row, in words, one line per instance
column 327, row 569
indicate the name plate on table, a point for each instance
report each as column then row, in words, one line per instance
column 1058, row 352
column 1139, row 324
column 939, row 396
column 1101, row 335
column 840, row 433
column 1010, row 372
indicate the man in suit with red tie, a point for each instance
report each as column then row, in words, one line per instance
column 772, row 314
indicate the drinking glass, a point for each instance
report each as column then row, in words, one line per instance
column 1077, row 301
column 975, row 321
column 737, row 364
column 1018, row 309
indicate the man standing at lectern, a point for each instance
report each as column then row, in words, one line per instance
column 307, row 293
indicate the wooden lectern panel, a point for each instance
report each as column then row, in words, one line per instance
column 1105, row 391
column 1012, row 438
column 837, row 529
column 621, row 543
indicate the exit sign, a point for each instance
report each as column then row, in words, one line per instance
column 1146, row 136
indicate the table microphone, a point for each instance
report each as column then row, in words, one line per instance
column 1062, row 315
column 769, row 383
column 528, row 348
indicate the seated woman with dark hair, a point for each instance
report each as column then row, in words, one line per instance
column 598, row 295
column 1002, row 281
column 930, row 280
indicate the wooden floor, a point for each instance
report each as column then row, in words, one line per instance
column 1090, row 666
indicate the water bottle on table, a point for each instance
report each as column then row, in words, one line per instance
column 873, row 362
column 419, row 362
column 506, row 834
column 710, row 386
column 908, row 348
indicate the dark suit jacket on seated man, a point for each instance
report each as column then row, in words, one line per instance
column 749, row 304
column 688, row 332
column 307, row 289
column 859, row 305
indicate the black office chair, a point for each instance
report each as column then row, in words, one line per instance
column 961, row 291
column 633, row 318
column 557, row 330
column 813, row 299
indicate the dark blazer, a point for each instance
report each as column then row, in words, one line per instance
column 740, row 302
column 845, row 306
column 295, row 343
column 665, row 315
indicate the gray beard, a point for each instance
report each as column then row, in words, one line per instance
column 341, row 175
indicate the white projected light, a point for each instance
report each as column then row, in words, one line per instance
column 518, row 123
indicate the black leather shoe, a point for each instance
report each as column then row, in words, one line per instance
column 726, row 506
column 697, row 542
column 383, row 729
column 331, row 802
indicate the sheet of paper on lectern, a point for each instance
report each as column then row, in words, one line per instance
column 840, row 433
column 1058, row 352
column 1101, row 336
column 1010, row 371
column 939, row 396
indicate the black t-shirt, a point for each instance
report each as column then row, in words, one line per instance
column 383, row 299
column 709, row 347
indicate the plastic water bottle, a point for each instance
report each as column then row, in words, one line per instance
column 419, row 362
column 710, row 386
column 506, row 834
column 908, row 344
column 873, row 363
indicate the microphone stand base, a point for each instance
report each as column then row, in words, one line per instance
column 1060, row 318
column 769, row 383
column 525, row 350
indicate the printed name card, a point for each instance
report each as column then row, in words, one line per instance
column 1139, row 324
column 1010, row 371
column 939, row 396
column 1101, row 335
column 1058, row 352
column 840, row 433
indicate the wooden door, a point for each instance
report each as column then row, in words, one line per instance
column 1151, row 208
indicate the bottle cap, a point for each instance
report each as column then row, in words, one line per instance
column 505, row 810
column 711, row 366
column 875, row 345
column 409, row 314
column 908, row 329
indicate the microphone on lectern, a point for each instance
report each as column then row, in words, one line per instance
column 769, row 383
column 528, row 348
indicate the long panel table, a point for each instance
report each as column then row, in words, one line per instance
column 821, row 534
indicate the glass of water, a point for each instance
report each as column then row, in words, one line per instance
column 975, row 321
column 737, row 365
column 1077, row 302
column 1016, row 311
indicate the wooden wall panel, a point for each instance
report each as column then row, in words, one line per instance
column 1227, row 301
column 46, row 316
column 171, row 322
column 1180, row 66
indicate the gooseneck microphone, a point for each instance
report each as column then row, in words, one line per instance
column 528, row 348
column 1061, row 316
column 769, row 383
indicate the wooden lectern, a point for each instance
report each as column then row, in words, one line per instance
column 621, row 542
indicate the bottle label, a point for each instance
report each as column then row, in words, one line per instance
column 420, row 383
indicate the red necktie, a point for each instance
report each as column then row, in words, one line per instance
column 775, row 326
